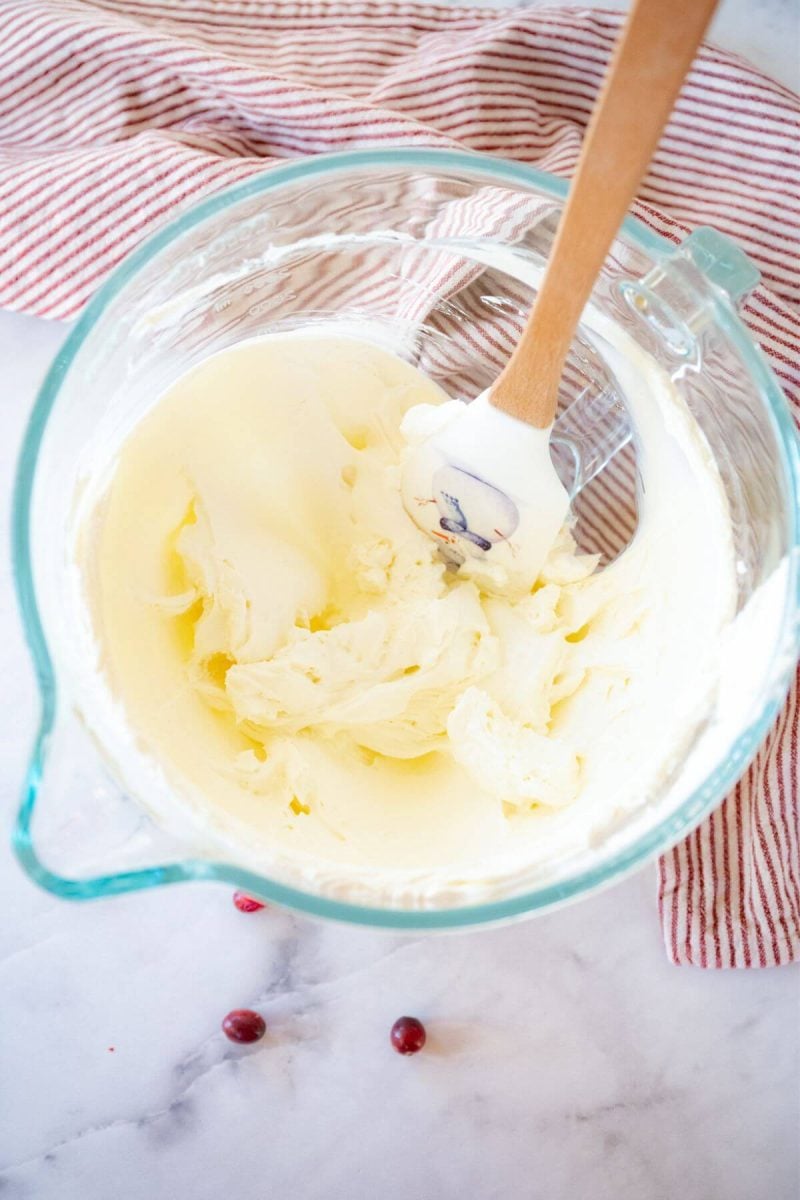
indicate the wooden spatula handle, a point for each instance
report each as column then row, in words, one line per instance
column 652, row 57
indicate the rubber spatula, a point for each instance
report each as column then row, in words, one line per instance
column 483, row 484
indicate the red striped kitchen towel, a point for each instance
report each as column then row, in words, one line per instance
column 113, row 112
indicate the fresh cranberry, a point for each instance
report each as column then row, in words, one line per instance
column 244, row 1026
column 408, row 1035
column 246, row 903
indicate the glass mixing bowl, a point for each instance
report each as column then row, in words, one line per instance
column 422, row 250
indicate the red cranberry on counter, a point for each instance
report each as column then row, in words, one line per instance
column 246, row 903
column 408, row 1035
column 244, row 1026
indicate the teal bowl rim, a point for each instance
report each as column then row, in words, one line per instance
column 659, row 839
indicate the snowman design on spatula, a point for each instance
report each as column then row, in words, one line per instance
column 472, row 509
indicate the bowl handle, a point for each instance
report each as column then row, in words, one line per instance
column 674, row 300
column 723, row 263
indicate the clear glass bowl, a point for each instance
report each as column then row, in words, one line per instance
column 458, row 239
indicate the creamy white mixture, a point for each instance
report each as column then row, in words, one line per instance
column 322, row 694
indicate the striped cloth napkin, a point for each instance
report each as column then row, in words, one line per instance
column 114, row 112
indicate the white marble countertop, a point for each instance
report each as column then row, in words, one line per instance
column 566, row 1057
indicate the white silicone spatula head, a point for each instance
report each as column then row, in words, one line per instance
column 478, row 478
column 481, row 483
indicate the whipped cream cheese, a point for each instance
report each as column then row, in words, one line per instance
column 329, row 703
